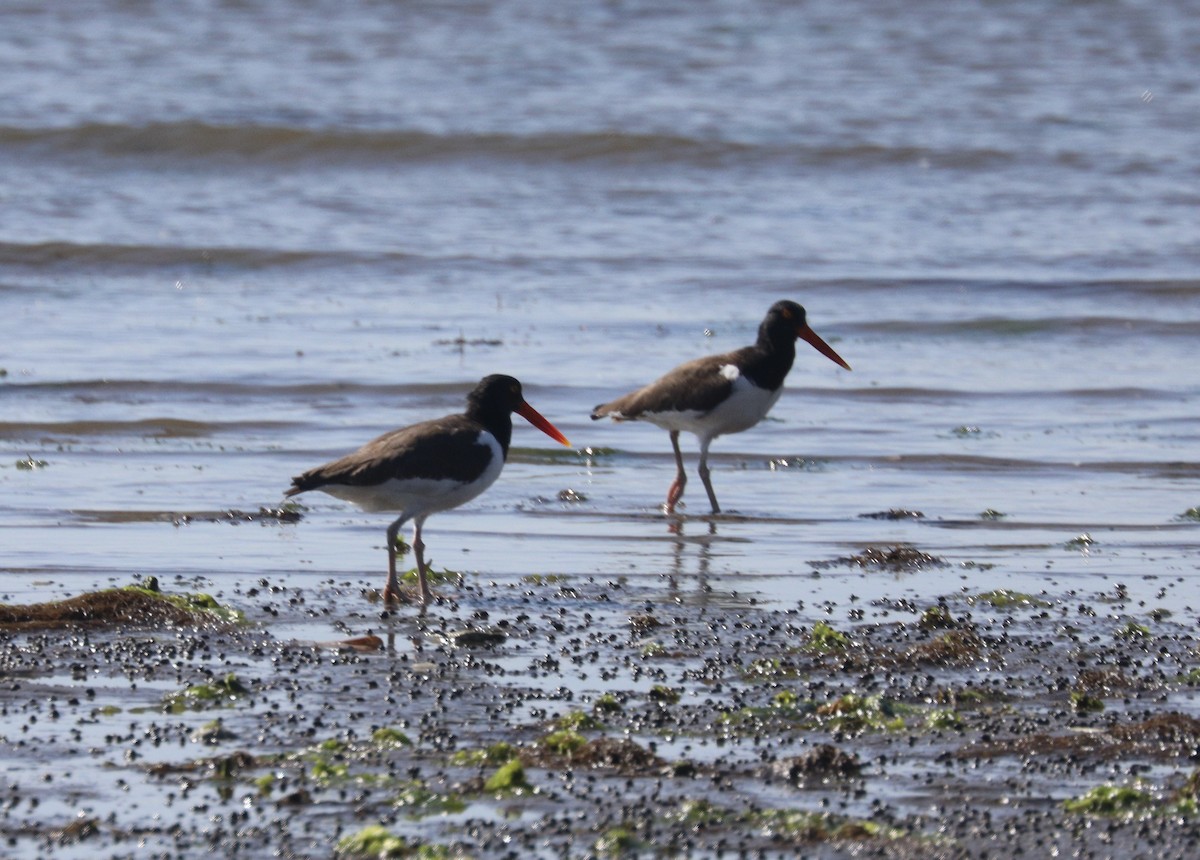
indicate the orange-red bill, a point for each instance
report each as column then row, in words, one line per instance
column 534, row 417
column 821, row 346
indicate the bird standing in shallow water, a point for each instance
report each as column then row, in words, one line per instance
column 429, row 467
column 720, row 394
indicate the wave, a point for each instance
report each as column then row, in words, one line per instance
column 150, row 390
column 196, row 140
column 138, row 390
column 1116, row 288
column 42, row 254
column 910, row 394
column 1009, row 327
column 145, row 428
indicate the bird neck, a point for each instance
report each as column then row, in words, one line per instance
column 498, row 422
column 775, row 352
column 778, row 339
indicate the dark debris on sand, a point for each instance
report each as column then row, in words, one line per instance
column 605, row 722
column 901, row 557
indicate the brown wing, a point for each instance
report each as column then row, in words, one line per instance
column 696, row 386
column 442, row 448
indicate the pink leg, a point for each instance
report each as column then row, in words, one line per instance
column 676, row 492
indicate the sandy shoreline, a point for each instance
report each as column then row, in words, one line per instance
column 686, row 723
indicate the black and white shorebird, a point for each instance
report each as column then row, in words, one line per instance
column 720, row 394
column 429, row 467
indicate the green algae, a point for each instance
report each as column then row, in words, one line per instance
column 217, row 694
column 1132, row 630
column 578, row 721
column 824, row 639
column 326, row 772
column 701, row 813
column 784, row 825
column 201, row 603
column 377, row 843
column 143, row 605
column 943, row 718
column 1109, row 801
column 850, row 714
column 559, row 455
column 607, row 704
column 212, row 733
column 664, row 695
column 545, row 578
column 936, row 618
column 617, row 842
column 418, row 801
column 331, row 761
column 563, row 742
column 785, row 699
column 854, row 714
column 653, row 649
column 445, row 576
column 968, row 697
column 389, row 738
column 1003, row 598
column 509, row 778
column 803, row 826
column 496, row 754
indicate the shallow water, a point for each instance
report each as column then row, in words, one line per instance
column 247, row 241
column 210, row 282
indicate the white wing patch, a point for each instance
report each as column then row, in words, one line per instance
column 730, row 371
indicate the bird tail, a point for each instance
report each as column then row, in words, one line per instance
column 303, row 483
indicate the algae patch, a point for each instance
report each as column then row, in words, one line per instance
column 378, row 843
column 217, row 694
column 1109, row 800
column 132, row 605
column 508, row 779
column 900, row 557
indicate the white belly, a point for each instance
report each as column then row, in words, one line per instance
column 422, row 496
column 746, row 405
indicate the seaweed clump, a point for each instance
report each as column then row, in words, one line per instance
column 133, row 605
column 896, row 558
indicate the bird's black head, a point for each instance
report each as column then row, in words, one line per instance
column 496, row 398
column 783, row 323
column 495, row 394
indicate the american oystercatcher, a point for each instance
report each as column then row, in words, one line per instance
column 720, row 394
column 429, row 467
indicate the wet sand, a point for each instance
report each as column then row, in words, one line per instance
column 553, row 716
